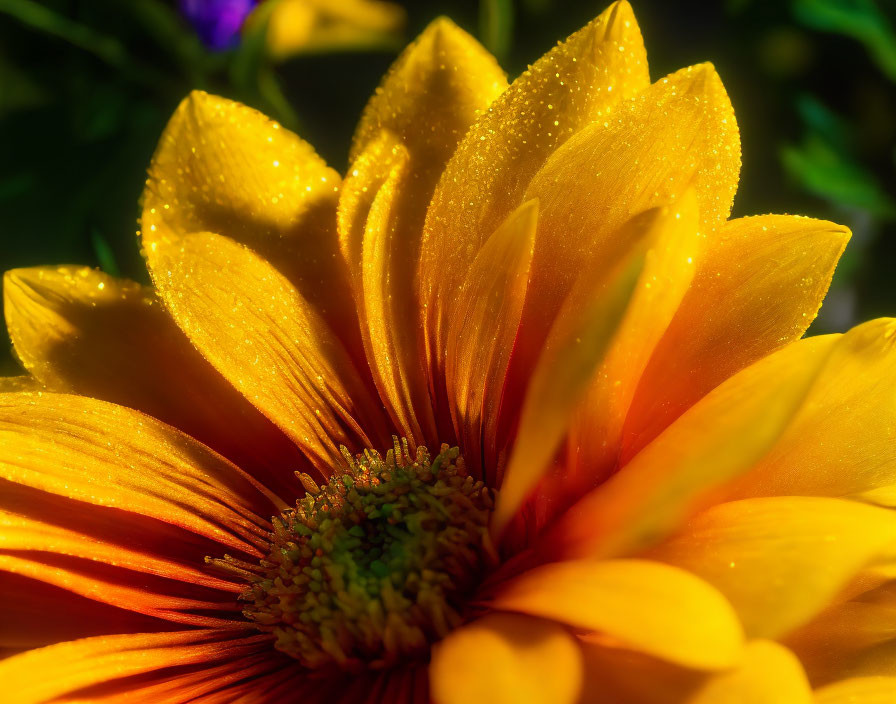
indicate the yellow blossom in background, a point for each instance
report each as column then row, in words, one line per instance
column 642, row 485
column 308, row 26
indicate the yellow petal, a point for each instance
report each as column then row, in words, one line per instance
column 370, row 170
column 296, row 26
column 622, row 676
column 506, row 659
column 25, row 382
column 843, row 442
column 677, row 135
column 629, row 601
column 108, row 455
column 482, row 334
column 858, row 690
column 848, row 638
column 45, row 674
column 575, row 83
column 780, row 560
column 444, row 72
column 596, row 429
column 581, row 335
column 768, row 674
column 223, row 167
column 265, row 338
column 376, row 246
column 772, row 273
column 717, row 440
column 81, row 331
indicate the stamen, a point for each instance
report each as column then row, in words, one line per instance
column 374, row 565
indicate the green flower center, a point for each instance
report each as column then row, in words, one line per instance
column 373, row 566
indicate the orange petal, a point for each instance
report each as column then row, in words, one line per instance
column 717, row 440
column 267, row 340
column 96, row 565
column 621, row 676
column 147, row 597
column 628, row 601
column 848, row 638
column 482, row 335
column 23, row 533
column 111, row 456
column 768, row 674
column 841, row 443
column 575, row 83
column 374, row 241
column 780, row 560
column 595, row 431
column 506, row 659
column 81, row 331
column 677, row 135
column 223, row 167
column 49, row 673
column 578, row 342
column 772, row 273
column 858, row 690
column 198, row 683
column 34, row 614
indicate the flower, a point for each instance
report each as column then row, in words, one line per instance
column 307, row 26
column 217, row 22
column 297, row 26
column 641, row 484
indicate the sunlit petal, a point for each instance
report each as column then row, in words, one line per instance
column 267, row 340
column 81, row 331
column 575, row 83
column 743, row 547
column 713, row 443
column 483, row 333
column 223, row 167
column 47, row 673
column 771, row 273
column 629, row 602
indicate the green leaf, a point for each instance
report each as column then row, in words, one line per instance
column 826, row 172
column 822, row 120
column 108, row 49
column 169, row 30
column 496, row 26
column 860, row 19
column 18, row 91
column 537, row 7
column 104, row 254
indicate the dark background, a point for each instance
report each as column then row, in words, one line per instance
column 87, row 86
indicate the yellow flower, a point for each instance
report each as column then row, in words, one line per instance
column 643, row 486
column 308, row 26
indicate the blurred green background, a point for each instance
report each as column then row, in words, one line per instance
column 86, row 87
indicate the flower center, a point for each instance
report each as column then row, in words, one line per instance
column 374, row 565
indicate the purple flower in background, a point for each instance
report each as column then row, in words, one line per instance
column 217, row 22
